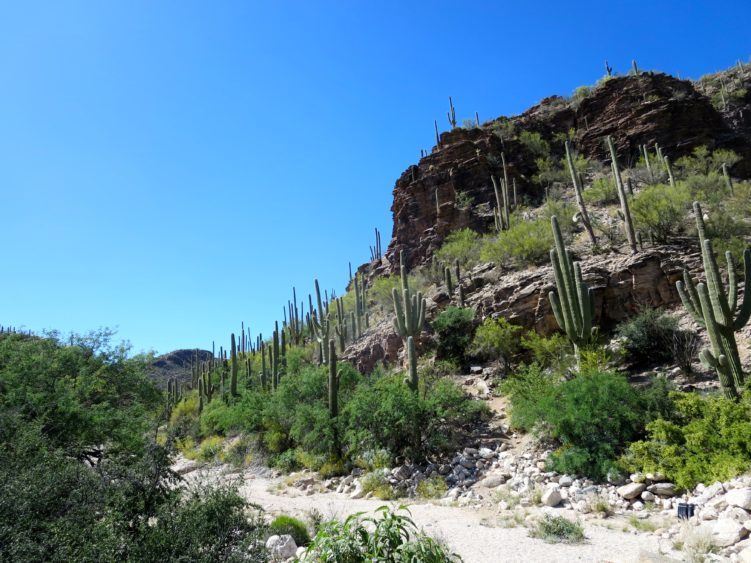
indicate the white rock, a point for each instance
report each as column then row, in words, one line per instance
column 551, row 496
column 565, row 481
column 662, row 489
column 646, row 496
column 631, row 490
column 740, row 498
column 735, row 513
column 358, row 492
column 281, row 547
column 638, row 505
column 745, row 555
column 725, row 532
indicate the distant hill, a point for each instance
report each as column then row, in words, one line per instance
column 176, row 364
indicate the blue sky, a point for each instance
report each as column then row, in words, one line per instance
column 171, row 168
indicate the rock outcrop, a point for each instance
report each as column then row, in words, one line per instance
column 430, row 197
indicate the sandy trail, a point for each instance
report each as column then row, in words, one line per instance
column 470, row 532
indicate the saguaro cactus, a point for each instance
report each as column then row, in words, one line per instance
column 233, row 359
column 576, row 179
column 573, row 303
column 409, row 307
column 714, row 308
column 333, row 382
column 321, row 326
column 411, row 380
column 625, row 210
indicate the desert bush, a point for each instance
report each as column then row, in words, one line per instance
column 387, row 536
column 601, row 192
column 454, row 327
column 463, row 245
column 380, row 291
column 593, row 416
column 432, row 487
column 495, row 338
column 558, row 529
column 525, row 243
column 701, row 440
column 648, row 337
column 661, row 210
column 702, row 161
column 534, row 143
column 553, row 351
column 386, row 414
column 376, row 482
column 283, row 524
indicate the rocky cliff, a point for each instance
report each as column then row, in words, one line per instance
column 679, row 115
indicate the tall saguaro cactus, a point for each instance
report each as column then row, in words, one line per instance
column 409, row 310
column 714, row 308
column 625, row 210
column 579, row 198
column 572, row 303
column 233, row 359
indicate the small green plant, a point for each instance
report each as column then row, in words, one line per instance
column 210, row 448
column 288, row 525
column 495, row 338
column 375, row 482
column 553, row 351
column 432, row 487
column 524, row 243
column 534, row 143
column 648, row 336
column 462, row 245
column 454, row 327
column 640, row 525
column 601, row 192
column 558, row 529
column 389, row 535
column 660, row 211
column 464, row 200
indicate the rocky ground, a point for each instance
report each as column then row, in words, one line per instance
column 498, row 488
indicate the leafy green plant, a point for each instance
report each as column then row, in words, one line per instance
column 454, row 327
column 553, row 351
column 534, row 143
column 495, row 338
column 660, row 210
column 464, row 200
column 462, row 245
column 648, row 336
column 525, row 243
column 593, row 416
column 601, row 192
column 386, row 536
column 432, row 487
column 292, row 526
column 702, row 440
column 558, row 529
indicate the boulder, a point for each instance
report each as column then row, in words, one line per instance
column 551, row 496
column 281, row 547
column 725, row 532
column 662, row 489
column 740, row 498
column 745, row 555
column 631, row 490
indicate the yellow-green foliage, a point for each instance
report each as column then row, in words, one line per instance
column 526, row 242
column 376, row 483
column 210, row 448
column 432, row 487
column 187, row 447
column 553, row 351
column 380, row 291
column 463, row 245
column 332, row 468
column 185, row 414
column 495, row 338
column 706, row 439
column 602, row 192
column 661, row 210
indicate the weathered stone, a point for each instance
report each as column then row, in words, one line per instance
column 739, row 497
column 725, row 532
column 281, row 547
column 662, row 489
column 551, row 496
column 631, row 490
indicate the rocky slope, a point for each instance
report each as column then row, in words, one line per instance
column 679, row 115
column 176, row 364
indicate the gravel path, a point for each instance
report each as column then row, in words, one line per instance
column 470, row 532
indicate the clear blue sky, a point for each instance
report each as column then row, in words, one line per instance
column 172, row 168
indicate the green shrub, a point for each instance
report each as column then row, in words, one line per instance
column 558, row 529
column 210, row 448
column 227, row 419
column 648, row 337
column 534, row 143
column 282, row 525
column 432, row 487
column 386, row 414
column 525, row 243
column 371, row 460
column 661, row 210
column 495, row 338
column 463, row 200
column 463, row 245
column 376, row 483
column 388, row 536
column 593, row 416
column 454, row 327
column 553, row 351
column 702, row 161
column 601, row 192
column 702, row 440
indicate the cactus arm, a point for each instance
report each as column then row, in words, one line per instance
column 564, row 306
column 745, row 312
column 690, row 302
column 412, row 380
column 716, row 289
column 716, row 359
column 555, row 304
column 732, row 283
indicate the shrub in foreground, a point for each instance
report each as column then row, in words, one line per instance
column 288, row 525
column 702, row 440
column 495, row 338
column 454, row 327
column 558, row 529
column 648, row 337
column 386, row 536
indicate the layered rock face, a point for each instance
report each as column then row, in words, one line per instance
column 634, row 110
